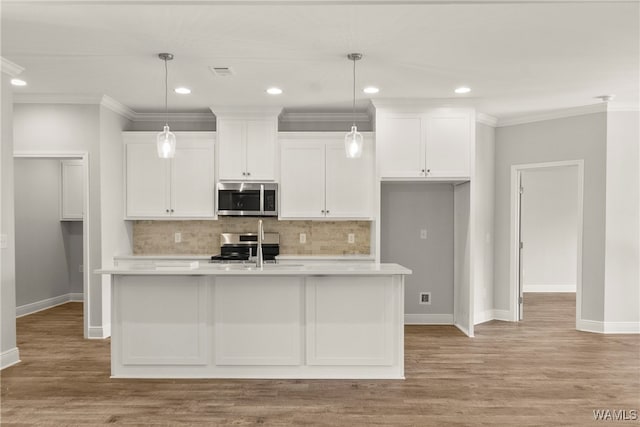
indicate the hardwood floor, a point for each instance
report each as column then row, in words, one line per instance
column 536, row 372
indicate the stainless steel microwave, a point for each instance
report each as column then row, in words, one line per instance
column 247, row 199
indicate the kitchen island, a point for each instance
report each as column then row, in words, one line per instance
column 203, row 320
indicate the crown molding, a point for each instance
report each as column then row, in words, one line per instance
column 55, row 98
column 117, row 107
column 486, row 119
column 10, row 68
column 297, row 117
column 421, row 104
column 317, row 135
column 244, row 111
column 554, row 114
column 174, row 117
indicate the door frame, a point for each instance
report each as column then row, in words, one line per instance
column 86, row 271
column 514, row 263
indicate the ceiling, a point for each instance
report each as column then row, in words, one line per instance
column 518, row 57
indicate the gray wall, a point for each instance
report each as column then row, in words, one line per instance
column 175, row 126
column 549, row 221
column 43, row 269
column 62, row 127
column 580, row 137
column 73, row 243
column 7, row 257
column 406, row 208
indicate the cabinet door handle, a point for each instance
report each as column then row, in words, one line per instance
column 428, row 170
column 248, row 173
column 167, row 210
column 327, row 212
column 322, row 211
column 171, row 210
column 244, row 174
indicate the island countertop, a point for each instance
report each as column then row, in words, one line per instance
column 200, row 268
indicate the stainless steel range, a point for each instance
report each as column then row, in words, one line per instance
column 238, row 247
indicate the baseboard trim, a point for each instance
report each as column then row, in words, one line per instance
column 463, row 330
column 504, row 315
column 428, row 319
column 99, row 332
column 483, row 316
column 549, row 288
column 76, row 297
column 599, row 327
column 9, row 358
column 45, row 304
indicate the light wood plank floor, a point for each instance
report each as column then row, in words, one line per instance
column 536, row 372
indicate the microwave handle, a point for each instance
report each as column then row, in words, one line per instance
column 262, row 198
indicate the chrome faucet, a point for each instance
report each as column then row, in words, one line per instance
column 259, row 257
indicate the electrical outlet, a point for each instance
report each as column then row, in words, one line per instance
column 178, row 237
column 423, row 234
column 351, row 238
column 425, row 298
column 303, row 238
column 80, row 268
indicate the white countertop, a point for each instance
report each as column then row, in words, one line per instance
column 215, row 269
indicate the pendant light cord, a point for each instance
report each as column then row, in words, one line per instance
column 166, row 94
column 353, row 108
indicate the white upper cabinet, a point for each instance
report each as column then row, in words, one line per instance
column 182, row 187
column 247, row 148
column 318, row 181
column 433, row 144
column 71, row 190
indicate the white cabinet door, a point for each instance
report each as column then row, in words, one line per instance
column 72, row 190
column 448, row 141
column 147, row 182
column 349, row 182
column 260, row 139
column 231, row 149
column 302, row 180
column 400, row 148
column 192, row 180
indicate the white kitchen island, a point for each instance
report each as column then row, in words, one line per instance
column 237, row 321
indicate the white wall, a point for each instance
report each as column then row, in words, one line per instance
column 484, row 197
column 116, row 233
column 622, row 277
column 8, row 349
column 43, row 269
column 572, row 138
column 406, row 208
column 549, row 221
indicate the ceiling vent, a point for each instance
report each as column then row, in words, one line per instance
column 222, row 71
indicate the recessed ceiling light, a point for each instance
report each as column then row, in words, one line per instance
column 18, row 82
column 463, row 89
column 182, row 90
column 274, row 91
column 371, row 89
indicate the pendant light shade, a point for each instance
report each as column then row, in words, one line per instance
column 166, row 140
column 353, row 140
column 353, row 143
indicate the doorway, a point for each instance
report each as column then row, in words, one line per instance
column 55, row 224
column 546, row 255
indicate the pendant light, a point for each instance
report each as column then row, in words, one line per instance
column 353, row 139
column 166, row 140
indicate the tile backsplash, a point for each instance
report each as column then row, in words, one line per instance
column 203, row 237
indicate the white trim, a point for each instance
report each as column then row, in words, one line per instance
column 9, row 358
column 10, row 68
column 174, row 117
column 428, row 319
column 463, row 330
column 117, row 107
column 339, row 136
column 553, row 114
column 599, row 327
column 549, row 288
column 621, row 106
column 76, row 297
column 295, row 117
column 244, row 112
column 99, row 332
column 406, row 105
column 515, row 237
column 483, row 316
column 41, row 305
column 502, row 315
column 55, row 98
column 486, row 119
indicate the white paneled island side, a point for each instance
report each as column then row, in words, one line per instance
column 203, row 320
